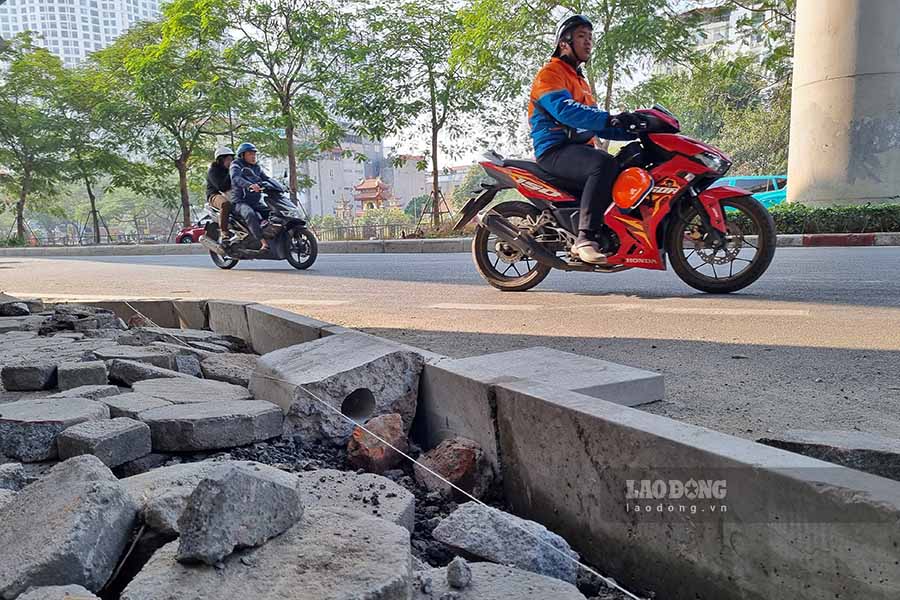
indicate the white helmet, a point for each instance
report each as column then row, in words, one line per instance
column 223, row 151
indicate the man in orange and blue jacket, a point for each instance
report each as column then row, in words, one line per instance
column 564, row 120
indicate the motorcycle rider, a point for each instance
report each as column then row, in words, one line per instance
column 246, row 177
column 564, row 120
column 218, row 188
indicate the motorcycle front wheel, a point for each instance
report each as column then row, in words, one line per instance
column 304, row 248
column 501, row 265
column 748, row 251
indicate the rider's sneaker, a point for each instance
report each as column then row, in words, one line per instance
column 589, row 251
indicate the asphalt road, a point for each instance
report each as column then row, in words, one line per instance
column 814, row 344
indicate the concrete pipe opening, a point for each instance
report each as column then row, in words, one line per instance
column 359, row 405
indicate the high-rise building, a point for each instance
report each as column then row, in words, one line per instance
column 72, row 29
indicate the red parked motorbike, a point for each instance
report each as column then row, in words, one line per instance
column 719, row 240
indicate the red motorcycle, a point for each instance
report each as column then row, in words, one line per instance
column 719, row 240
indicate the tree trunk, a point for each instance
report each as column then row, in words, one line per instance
column 292, row 153
column 20, row 207
column 181, row 165
column 435, row 187
column 94, row 217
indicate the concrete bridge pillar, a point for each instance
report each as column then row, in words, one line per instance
column 845, row 112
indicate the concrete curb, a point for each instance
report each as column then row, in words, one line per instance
column 428, row 246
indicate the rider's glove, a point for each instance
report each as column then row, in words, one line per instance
column 628, row 121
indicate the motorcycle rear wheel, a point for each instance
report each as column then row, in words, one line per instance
column 745, row 217
column 223, row 262
column 495, row 270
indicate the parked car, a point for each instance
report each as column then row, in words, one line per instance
column 771, row 190
column 191, row 234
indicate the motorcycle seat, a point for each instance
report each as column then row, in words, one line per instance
column 567, row 185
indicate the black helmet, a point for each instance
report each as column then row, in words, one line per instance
column 566, row 26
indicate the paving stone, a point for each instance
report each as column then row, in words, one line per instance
column 77, row 317
column 13, row 477
column 212, row 425
column 210, row 347
column 128, row 372
column 162, row 493
column 29, row 428
column 237, row 506
column 189, row 390
column 358, row 375
column 6, row 496
column 14, row 309
column 366, row 493
column 178, row 349
column 91, row 392
column 331, row 554
column 142, row 336
column 155, row 356
column 76, row 374
column 142, row 465
column 189, row 365
column 131, row 405
column 230, row 368
column 29, row 377
column 58, row 592
column 114, row 441
column 498, row 582
column 70, row 527
column 858, row 450
column 500, row 537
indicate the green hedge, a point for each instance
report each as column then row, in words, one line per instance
column 797, row 218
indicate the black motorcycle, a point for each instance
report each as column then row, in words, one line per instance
column 283, row 226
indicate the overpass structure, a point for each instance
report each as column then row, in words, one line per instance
column 845, row 113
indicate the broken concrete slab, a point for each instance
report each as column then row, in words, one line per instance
column 230, row 367
column 142, row 336
column 29, row 428
column 142, row 465
column 162, row 493
column 131, row 405
column 29, row 377
column 58, row 592
column 457, row 394
column 151, row 355
column 858, row 450
column 77, row 317
column 77, row 374
column 128, row 372
column 190, row 390
column 91, row 392
column 78, row 519
column 500, row 537
column 274, row 328
column 6, row 496
column 14, row 309
column 114, row 441
column 331, row 554
column 14, row 477
column 498, row 582
column 212, row 425
column 366, row 493
column 178, row 349
column 319, row 383
column 237, row 506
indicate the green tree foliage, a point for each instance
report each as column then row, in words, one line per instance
column 170, row 99
column 414, row 43
column 29, row 140
column 295, row 52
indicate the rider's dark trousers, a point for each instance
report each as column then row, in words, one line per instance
column 596, row 169
column 248, row 213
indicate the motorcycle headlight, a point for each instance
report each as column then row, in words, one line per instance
column 713, row 162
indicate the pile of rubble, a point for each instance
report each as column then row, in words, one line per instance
column 132, row 466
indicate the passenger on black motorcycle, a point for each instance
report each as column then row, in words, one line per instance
column 564, row 120
column 247, row 178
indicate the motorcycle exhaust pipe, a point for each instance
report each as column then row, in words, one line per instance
column 212, row 245
column 520, row 240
